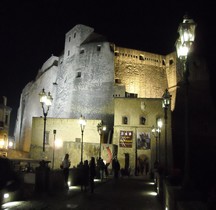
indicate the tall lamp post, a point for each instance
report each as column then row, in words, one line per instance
column 100, row 128
column 160, row 125
column 46, row 102
column 82, row 123
column 165, row 105
column 156, row 132
column 54, row 143
column 184, row 44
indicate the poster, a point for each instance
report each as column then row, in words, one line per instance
column 126, row 138
column 143, row 140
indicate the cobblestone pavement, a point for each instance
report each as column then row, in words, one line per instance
column 133, row 193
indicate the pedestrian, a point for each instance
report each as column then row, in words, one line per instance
column 116, row 167
column 101, row 166
column 92, row 173
column 85, row 176
column 65, row 165
column 106, row 170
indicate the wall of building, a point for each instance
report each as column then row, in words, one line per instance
column 86, row 78
column 146, row 74
column 152, row 110
column 5, row 112
column 81, row 82
column 68, row 139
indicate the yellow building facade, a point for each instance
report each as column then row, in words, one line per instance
column 133, row 137
column 64, row 136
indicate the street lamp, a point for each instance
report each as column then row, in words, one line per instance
column 156, row 133
column 184, row 44
column 54, row 142
column 165, row 105
column 82, row 123
column 46, row 102
column 159, row 125
column 100, row 128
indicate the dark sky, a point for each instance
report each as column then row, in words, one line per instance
column 32, row 30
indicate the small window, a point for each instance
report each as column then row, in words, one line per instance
column 142, row 120
column 78, row 74
column 116, row 53
column 81, row 51
column 141, row 57
column 98, row 47
column 69, row 39
column 74, row 35
column 47, row 137
column 124, row 120
column 68, row 52
column 170, row 62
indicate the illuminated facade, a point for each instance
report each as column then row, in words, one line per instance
column 86, row 79
column 88, row 76
column 4, row 126
column 133, row 136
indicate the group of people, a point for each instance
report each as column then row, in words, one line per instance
column 88, row 174
column 89, row 170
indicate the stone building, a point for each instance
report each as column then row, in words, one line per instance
column 88, row 77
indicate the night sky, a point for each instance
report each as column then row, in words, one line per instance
column 32, row 30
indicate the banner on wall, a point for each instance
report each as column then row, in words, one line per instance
column 126, row 138
column 143, row 140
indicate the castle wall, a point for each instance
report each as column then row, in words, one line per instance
column 82, row 81
column 141, row 72
column 30, row 106
column 85, row 79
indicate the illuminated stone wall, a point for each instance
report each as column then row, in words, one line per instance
column 134, row 109
column 80, row 81
column 146, row 74
column 86, row 78
column 68, row 139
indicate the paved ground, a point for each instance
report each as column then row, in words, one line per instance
column 132, row 193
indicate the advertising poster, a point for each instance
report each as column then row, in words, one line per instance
column 126, row 138
column 143, row 140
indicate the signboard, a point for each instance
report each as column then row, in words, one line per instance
column 126, row 138
column 143, row 140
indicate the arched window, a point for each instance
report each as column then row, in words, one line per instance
column 142, row 120
column 124, row 120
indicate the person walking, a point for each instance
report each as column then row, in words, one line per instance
column 101, row 166
column 116, row 167
column 85, row 176
column 65, row 166
column 92, row 173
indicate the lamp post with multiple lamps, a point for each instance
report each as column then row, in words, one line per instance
column 82, row 123
column 100, row 128
column 165, row 105
column 184, row 44
column 46, row 102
